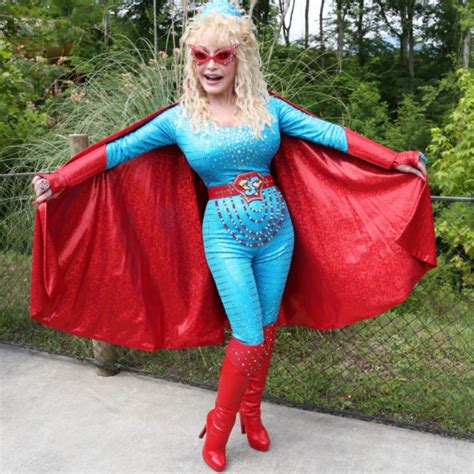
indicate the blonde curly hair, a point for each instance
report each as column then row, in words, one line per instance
column 250, row 87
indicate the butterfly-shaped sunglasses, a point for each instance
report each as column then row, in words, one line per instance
column 223, row 56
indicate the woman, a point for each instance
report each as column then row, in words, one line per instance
column 228, row 127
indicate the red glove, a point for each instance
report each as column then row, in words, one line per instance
column 373, row 152
column 407, row 158
column 77, row 169
column 57, row 182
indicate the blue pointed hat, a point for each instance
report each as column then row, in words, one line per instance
column 224, row 7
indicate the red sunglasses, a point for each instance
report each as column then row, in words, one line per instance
column 223, row 56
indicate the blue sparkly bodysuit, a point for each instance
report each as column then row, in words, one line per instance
column 248, row 245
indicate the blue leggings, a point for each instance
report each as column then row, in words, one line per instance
column 248, row 247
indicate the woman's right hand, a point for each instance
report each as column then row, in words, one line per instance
column 411, row 162
column 42, row 190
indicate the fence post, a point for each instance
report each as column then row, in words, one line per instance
column 104, row 352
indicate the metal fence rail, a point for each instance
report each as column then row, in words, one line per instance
column 410, row 366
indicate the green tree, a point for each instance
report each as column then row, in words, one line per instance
column 452, row 147
column 367, row 113
column 20, row 118
column 452, row 171
column 411, row 128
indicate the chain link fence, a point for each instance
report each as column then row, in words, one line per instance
column 410, row 366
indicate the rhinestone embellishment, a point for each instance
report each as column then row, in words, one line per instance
column 273, row 206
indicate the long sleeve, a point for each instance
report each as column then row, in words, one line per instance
column 297, row 123
column 160, row 131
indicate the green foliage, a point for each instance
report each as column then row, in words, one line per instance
column 452, row 171
column 452, row 147
column 440, row 98
column 296, row 74
column 37, row 39
column 411, row 128
column 455, row 229
column 367, row 113
column 134, row 21
column 22, row 83
column 53, row 27
column 122, row 87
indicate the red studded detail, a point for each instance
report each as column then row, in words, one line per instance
column 247, row 358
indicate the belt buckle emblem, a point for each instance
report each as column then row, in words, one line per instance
column 249, row 185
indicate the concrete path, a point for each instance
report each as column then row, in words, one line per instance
column 57, row 415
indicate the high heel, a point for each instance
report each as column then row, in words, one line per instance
column 213, row 450
column 239, row 363
column 257, row 435
column 250, row 411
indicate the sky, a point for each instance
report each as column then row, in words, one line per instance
column 297, row 25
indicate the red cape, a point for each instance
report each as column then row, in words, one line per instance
column 120, row 257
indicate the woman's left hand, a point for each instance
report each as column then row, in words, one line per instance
column 419, row 169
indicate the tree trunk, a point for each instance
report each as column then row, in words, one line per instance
column 404, row 34
column 155, row 29
column 360, row 33
column 411, row 44
column 253, row 3
column 306, row 24
column 284, row 5
column 321, row 34
column 406, row 13
column 340, row 32
column 106, row 25
column 266, row 11
column 466, row 50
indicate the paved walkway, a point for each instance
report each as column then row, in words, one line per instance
column 57, row 415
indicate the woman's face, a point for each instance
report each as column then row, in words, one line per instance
column 224, row 74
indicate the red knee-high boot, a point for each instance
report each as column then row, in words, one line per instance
column 250, row 414
column 240, row 361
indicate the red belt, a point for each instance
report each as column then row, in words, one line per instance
column 249, row 185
